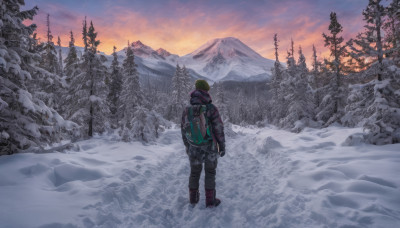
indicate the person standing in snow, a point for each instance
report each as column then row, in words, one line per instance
column 209, row 149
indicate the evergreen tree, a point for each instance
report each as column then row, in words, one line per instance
column 300, row 105
column 276, row 105
column 25, row 120
column 145, row 126
column 179, row 94
column 242, row 107
column 85, row 35
column 221, row 102
column 187, row 85
column 60, row 70
column 277, row 64
column 72, row 61
column 131, row 96
column 115, row 90
column 332, row 108
column 302, row 66
column 49, row 70
column 88, row 90
column 316, row 78
column 375, row 105
column 392, row 30
column 369, row 44
column 34, row 44
column 177, row 86
column 291, row 62
column 49, row 56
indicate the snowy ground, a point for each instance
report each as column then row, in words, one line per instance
column 269, row 178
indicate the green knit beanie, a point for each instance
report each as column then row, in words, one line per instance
column 202, row 84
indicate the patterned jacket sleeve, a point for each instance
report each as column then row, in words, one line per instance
column 217, row 126
column 185, row 142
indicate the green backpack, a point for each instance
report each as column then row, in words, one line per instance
column 196, row 126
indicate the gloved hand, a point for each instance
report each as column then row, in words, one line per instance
column 221, row 147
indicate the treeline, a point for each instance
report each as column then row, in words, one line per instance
column 358, row 85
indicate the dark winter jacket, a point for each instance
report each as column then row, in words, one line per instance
column 201, row 97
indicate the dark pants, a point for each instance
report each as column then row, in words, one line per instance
column 198, row 156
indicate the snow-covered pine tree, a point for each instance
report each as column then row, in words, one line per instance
column 115, row 90
column 60, row 67
column 276, row 105
column 25, row 120
column 242, row 108
column 301, row 63
column 375, row 105
column 187, row 84
column 259, row 113
column 49, row 71
column 177, row 85
column 96, row 73
column 72, row 69
column 179, row 94
column 34, row 44
column 298, row 94
column 277, row 64
column 332, row 104
column 369, row 44
column 146, row 125
column 315, row 81
column 71, row 61
column 221, row 102
column 131, row 98
column 391, row 27
column 291, row 62
column 88, row 92
column 85, row 35
column 49, row 56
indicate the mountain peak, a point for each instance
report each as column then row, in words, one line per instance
column 227, row 58
column 228, row 47
column 227, row 39
column 162, row 52
column 139, row 45
column 142, row 50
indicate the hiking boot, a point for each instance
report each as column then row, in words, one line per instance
column 194, row 196
column 211, row 201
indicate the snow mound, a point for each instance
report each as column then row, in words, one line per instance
column 67, row 172
column 354, row 140
column 269, row 145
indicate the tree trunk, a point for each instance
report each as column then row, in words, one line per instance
column 379, row 46
column 90, row 133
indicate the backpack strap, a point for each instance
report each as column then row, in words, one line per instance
column 209, row 129
column 190, row 118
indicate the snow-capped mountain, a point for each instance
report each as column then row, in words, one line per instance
column 146, row 52
column 217, row 60
column 228, row 59
column 142, row 50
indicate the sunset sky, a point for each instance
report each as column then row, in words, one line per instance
column 181, row 26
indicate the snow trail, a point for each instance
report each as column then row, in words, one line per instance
column 156, row 195
column 269, row 178
column 248, row 182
